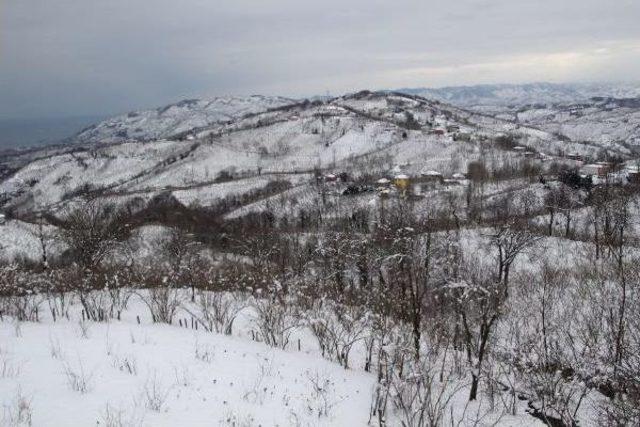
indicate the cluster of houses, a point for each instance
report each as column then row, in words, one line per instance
column 599, row 172
column 397, row 183
column 605, row 172
column 415, row 185
column 453, row 130
column 528, row 153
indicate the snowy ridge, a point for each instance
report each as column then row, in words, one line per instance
column 178, row 118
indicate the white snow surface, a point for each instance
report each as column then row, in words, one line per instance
column 243, row 382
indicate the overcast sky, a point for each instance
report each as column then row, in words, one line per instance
column 85, row 57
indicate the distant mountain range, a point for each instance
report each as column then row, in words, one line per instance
column 181, row 118
column 177, row 119
column 525, row 94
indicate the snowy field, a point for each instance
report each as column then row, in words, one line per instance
column 122, row 373
column 132, row 372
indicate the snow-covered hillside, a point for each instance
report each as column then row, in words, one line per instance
column 245, row 145
column 129, row 374
column 604, row 114
column 607, row 122
column 282, row 144
column 176, row 119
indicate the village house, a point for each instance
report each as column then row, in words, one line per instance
column 402, row 182
column 462, row 136
column 633, row 175
column 595, row 169
column 330, row 178
column 431, row 176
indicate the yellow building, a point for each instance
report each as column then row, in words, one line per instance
column 401, row 182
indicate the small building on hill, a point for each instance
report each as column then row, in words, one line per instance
column 402, row 182
column 595, row 169
column 431, row 176
column 633, row 175
column 383, row 183
column 462, row 136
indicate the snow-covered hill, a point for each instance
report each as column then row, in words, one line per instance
column 604, row 114
column 176, row 119
column 605, row 121
column 244, row 146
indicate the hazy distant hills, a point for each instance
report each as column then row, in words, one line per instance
column 523, row 94
column 185, row 116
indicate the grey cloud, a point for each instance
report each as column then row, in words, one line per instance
column 89, row 56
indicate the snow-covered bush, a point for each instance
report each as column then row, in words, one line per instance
column 78, row 379
column 218, row 310
column 274, row 319
column 161, row 294
column 18, row 412
column 337, row 327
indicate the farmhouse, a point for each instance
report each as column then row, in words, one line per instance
column 595, row 169
column 633, row 175
column 401, row 182
column 431, row 176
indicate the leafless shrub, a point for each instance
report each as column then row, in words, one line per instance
column 114, row 417
column 9, row 368
column 274, row 319
column 257, row 393
column 17, row 413
column 127, row 364
column 182, row 376
column 322, row 398
column 83, row 328
column 78, row 379
column 418, row 391
column 154, row 394
column 17, row 328
column 55, row 349
column 91, row 232
column 161, row 294
column 19, row 296
column 338, row 327
column 218, row 310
